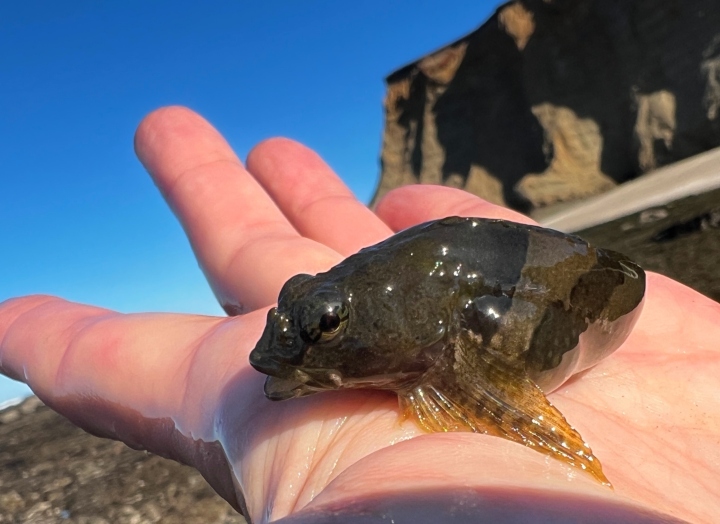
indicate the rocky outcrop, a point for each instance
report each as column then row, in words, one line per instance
column 554, row 100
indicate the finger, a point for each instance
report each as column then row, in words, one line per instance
column 154, row 364
column 245, row 245
column 152, row 381
column 313, row 197
column 410, row 205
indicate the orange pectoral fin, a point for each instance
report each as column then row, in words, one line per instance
column 501, row 401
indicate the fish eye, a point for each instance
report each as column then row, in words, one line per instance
column 329, row 322
column 327, row 327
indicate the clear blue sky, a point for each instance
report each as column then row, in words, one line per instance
column 79, row 217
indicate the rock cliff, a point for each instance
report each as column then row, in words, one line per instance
column 554, row 100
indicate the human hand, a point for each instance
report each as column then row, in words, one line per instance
column 181, row 385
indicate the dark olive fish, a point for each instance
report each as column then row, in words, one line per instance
column 468, row 320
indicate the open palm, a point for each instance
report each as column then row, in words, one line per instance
column 181, row 385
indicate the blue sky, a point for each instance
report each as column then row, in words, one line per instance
column 79, row 217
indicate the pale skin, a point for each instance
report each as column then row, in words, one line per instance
column 651, row 411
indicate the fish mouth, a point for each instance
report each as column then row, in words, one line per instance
column 301, row 383
column 285, row 381
column 265, row 364
column 298, row 383
column 286, row 388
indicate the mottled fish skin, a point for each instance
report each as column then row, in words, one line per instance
column 471, row 321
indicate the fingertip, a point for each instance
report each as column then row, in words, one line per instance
column 272, row 148
column 12, row 308
column 155, row 123
column 27, row 332
column 171, row 140
column 279, row 163
column 313, row 197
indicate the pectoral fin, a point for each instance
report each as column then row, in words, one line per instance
column 489, row 396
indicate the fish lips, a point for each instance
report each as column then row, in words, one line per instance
column 283, row 381
column 286, row 388
column 288, row 382
column 273, row 356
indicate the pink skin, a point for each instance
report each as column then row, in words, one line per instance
column 651, row 411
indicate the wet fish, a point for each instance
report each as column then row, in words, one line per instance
column 470, row 321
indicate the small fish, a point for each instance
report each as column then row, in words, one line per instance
column 470, row 321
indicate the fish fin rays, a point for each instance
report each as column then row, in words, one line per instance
column 520, row 412
column 434, row 411
column 499, row 400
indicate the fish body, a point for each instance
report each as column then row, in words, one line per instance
column 470, row 321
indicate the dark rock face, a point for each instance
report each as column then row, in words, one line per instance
column 53, row 472
column 554, row 100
